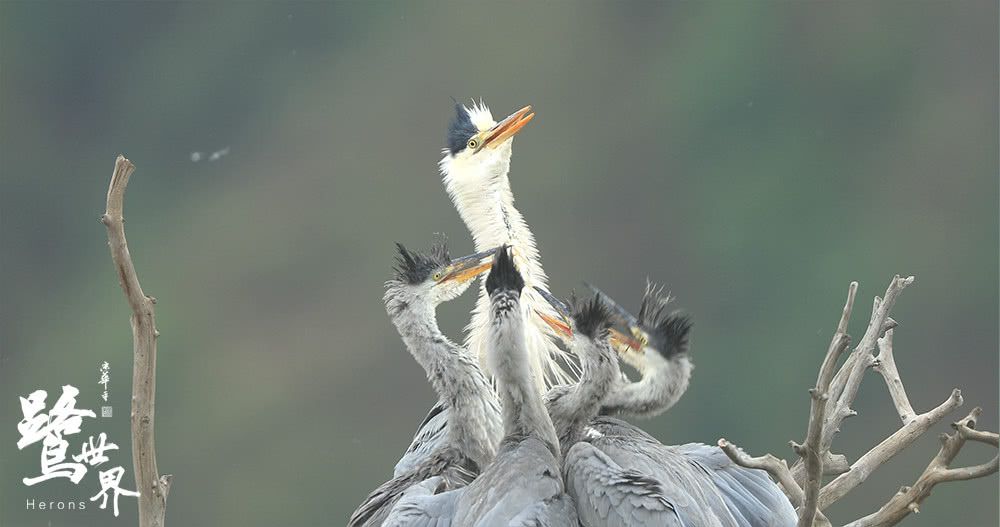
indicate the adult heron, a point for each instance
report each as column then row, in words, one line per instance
column 421, row 283
column 475, row 169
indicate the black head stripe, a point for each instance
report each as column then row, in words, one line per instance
column 460, row 130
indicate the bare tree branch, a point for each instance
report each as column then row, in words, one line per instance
column 844, row 386
column 152, row 487
column 886, row 450
column 813, row 451
column 831, row 401
column 837, row 409
column 776, row 467
column 833, row 465
column 909, row 499
column 885, row 365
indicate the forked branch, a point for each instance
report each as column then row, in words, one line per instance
column 152, row 487
column 831, row 401
column 909, row 499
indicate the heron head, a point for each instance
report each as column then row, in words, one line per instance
column 436, row 274
column 479, row 148
column 654, row 335
column 591, row 318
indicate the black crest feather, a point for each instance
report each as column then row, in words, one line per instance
column 460, row 130
column 669, row 331
column 591, row 317
column 414, row 267
column 675, row 331
column 504, row 274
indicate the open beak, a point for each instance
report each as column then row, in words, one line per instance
column 624, row 342
column 561, row 324
column 628, row 340
column 507, row 128
column 468, row 267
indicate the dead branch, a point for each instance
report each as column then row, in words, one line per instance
column 909, row 499
column 839, row 408
column 776, row 467
column 885, row 365
column 885, row 450
column 831, row 401
column 152, row 487
column 813, row 450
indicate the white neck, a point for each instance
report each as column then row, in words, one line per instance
column 480, row 190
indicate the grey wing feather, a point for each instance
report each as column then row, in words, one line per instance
column 688, row 486
column 750, row 494
column 430, row 435
column 608, row 495
column 523, row 475
column 559, row 512
column 377, row 505
column 419, row 506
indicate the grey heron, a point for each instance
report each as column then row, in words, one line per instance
column 523, row 485
column 475, row 170
column 585, row 327
column 660, row 355
column 620, row 475
column 475, row 167
column 421, row 282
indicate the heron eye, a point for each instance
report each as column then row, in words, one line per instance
column 437, row 276
column 473, row 144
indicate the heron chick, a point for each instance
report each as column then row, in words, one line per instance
column 421, row 283
column 656, row 342
column 585, row 326
column 523, row 485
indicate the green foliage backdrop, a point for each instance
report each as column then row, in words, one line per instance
column 755, row 158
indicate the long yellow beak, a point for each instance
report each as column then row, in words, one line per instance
column 507, row 128
column 559, row 326
column 468, row 267
column 622, row 340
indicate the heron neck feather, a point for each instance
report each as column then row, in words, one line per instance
column 524, row 414
column 454, row 374
column 662, row 385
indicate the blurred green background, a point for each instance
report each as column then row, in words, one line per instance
column 754, row 158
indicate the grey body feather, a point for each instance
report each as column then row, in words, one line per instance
column 699, row 481
column 523, row 486
column 468, row 442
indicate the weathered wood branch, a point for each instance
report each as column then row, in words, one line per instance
column 839, row 408
column 775, row 466
column 886, row 450
column 813, row 451
column 885, row 365
column 831, row 401
column 909, row 499
column 152, row 487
